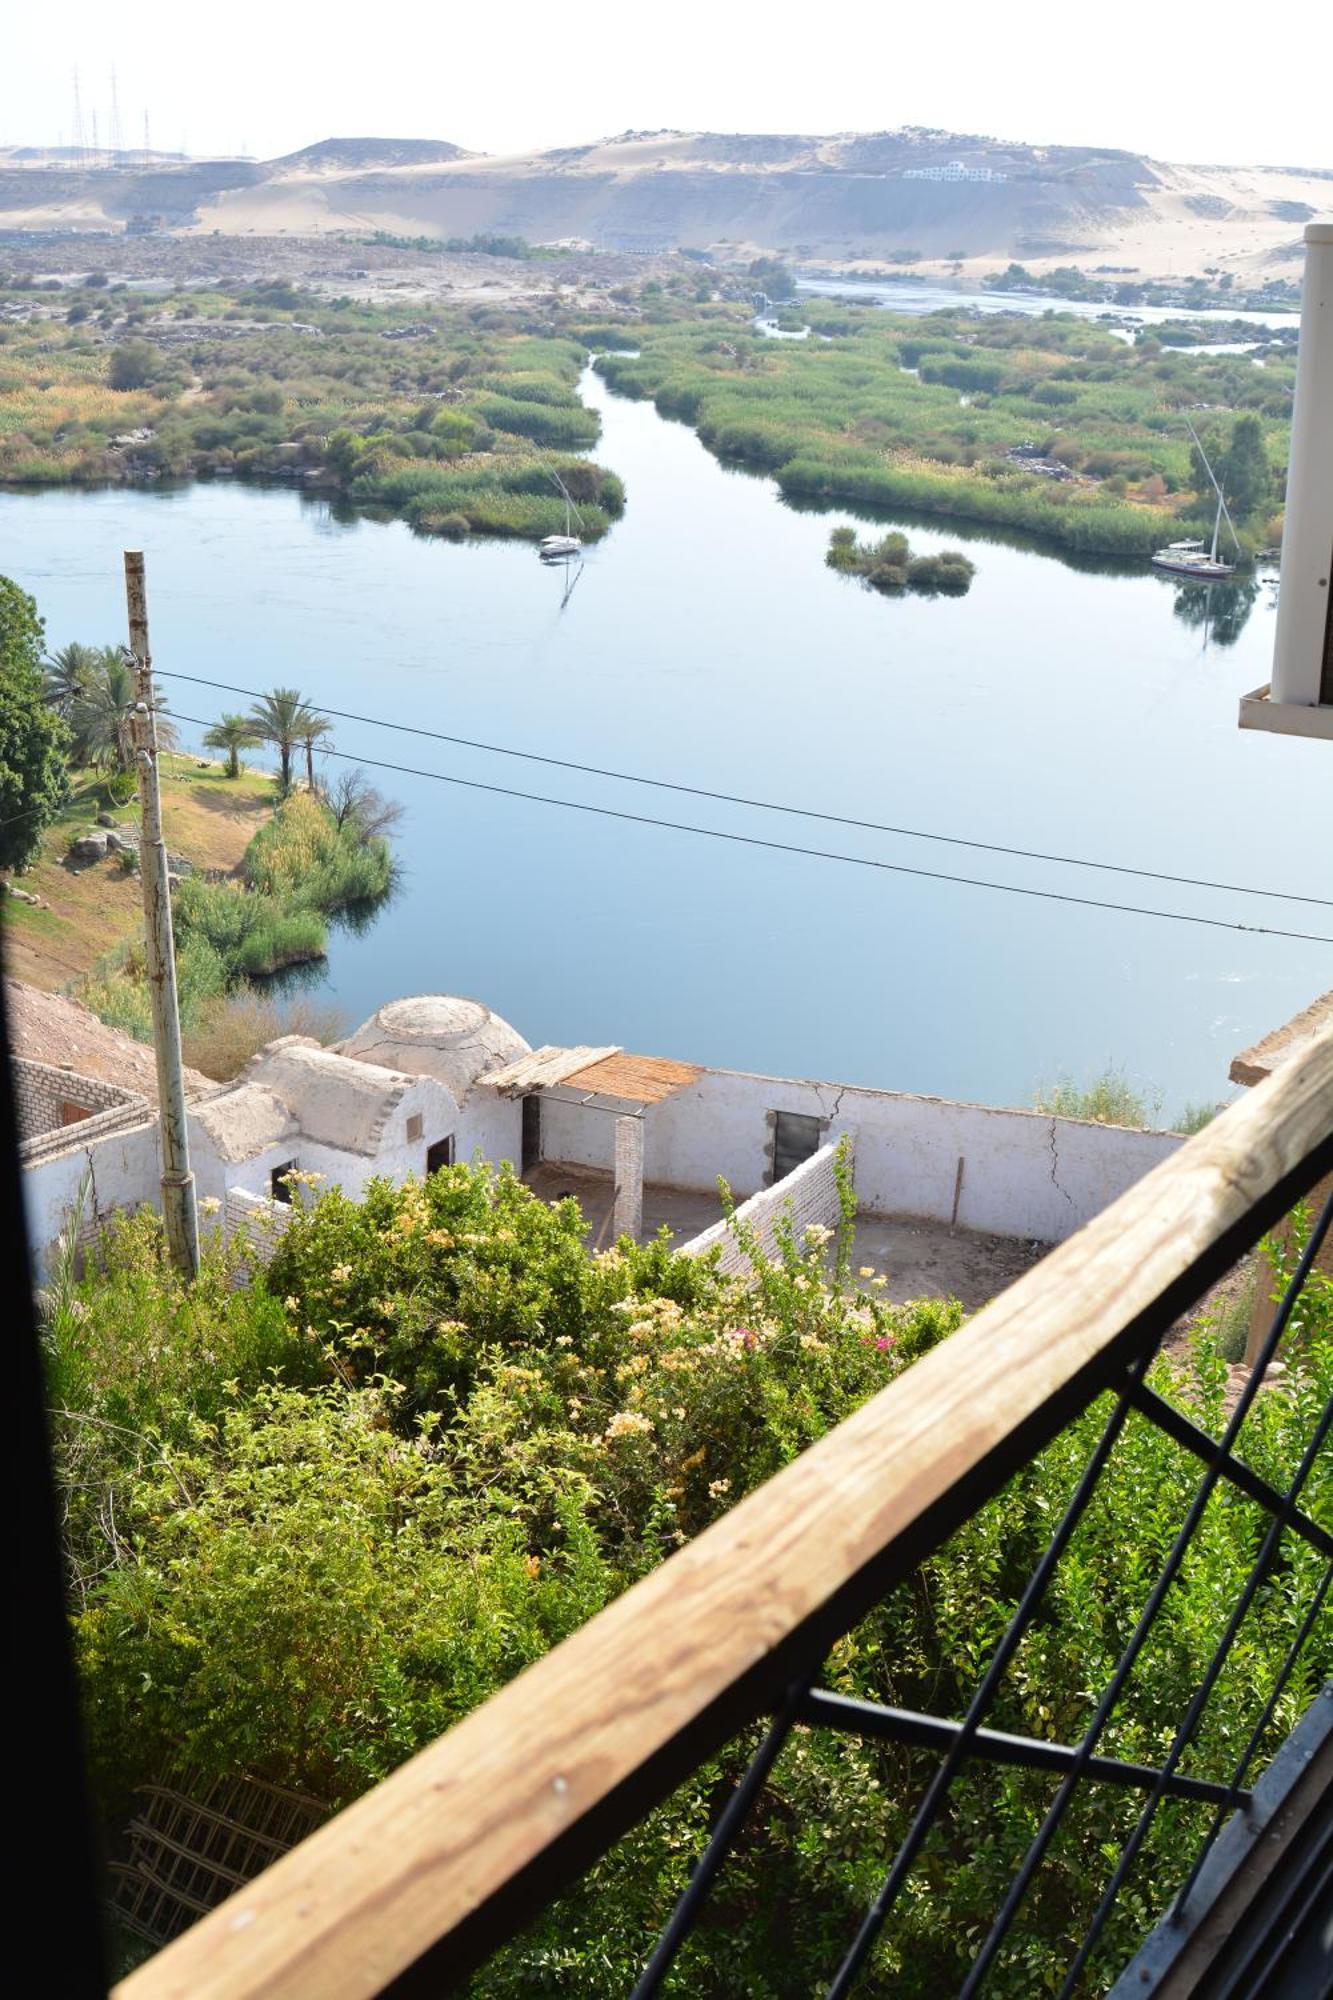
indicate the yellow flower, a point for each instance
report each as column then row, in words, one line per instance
column 717, row 1487
column 880, row 1282
column 866, row 1271
column 292, row 1303
column 628, row 1423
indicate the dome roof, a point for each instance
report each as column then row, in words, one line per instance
column 456, row 1041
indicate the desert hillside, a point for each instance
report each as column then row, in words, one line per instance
column 845, row 200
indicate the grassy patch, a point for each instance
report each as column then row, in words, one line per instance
column 94, row 907
column 1049, row 425
column 464, row 417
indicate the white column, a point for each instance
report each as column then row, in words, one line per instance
column 628, row 1219
column 1307, row 538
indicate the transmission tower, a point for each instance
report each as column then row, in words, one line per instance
column 114, row 136
column 80, row 144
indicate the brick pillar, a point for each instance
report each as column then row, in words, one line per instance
column 628, row 1214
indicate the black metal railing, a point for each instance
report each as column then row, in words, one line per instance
column 1080, row 1763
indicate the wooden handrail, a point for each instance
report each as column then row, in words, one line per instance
column 413, row 1884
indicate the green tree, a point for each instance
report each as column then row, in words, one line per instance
column 282, row 717
column 232, row 734
column 1240, row 466
column 33, row 738
column 132, row 365
column 101, row 714
column 1244, row 474
column 313, row 728
column 70, row 672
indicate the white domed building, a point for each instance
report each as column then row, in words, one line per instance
column 403, row 1095
column 457, row 1043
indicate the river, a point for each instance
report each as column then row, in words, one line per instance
column 1062, row 707
column 905, row 295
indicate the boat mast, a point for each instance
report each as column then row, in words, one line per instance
column 1221, row 499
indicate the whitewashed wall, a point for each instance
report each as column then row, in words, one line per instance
column 124, row 1173
column 1025, row 1173
column 487, row 1125
column 809, row 1194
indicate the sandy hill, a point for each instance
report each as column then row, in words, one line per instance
column 843, row 199
column 359, row 155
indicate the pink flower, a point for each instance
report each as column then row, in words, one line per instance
column 885, row 1340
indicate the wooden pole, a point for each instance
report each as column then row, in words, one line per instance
column 178, row 1203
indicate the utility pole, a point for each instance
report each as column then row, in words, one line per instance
column 178, row 1205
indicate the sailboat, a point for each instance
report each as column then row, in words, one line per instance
column 1188, row 558
column 554, row 547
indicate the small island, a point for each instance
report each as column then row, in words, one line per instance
column 888, row 565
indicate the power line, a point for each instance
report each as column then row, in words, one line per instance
column 768, row 805
column 812, row 853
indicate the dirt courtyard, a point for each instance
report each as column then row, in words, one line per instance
column 920, row 1259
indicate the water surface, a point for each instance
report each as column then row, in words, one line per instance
column 1068, row 708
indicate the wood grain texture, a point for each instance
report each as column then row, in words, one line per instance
column 440, row 1842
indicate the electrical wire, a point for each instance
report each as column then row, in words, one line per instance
column 768, row 805
column 812, row 853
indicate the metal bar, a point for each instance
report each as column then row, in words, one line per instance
column 825, row 1710
column 685, row 1914
column 1190, row 1720
column 1191, row 1438
column 927, row 1812
column 1247, row 1754
column 1124, row 1666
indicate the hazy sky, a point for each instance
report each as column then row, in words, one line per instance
column 1213, row 83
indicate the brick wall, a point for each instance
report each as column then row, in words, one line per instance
column 808, row 1194
column 258, row 1223
column 58, row 1109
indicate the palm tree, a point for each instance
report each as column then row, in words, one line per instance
column 232, row 734
column 282, row 718
column 69, row 674
column 101, row 714
column 314, row 726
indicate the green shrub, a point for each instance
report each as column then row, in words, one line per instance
column 317, row 1519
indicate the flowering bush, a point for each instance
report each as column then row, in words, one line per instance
column 316, row 1519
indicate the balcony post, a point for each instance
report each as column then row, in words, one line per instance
column 1303, row 650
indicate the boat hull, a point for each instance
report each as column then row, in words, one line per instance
column 1204, row 570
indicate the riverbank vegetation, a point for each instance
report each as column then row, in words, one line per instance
column 314, row 1519
column 888, row 565
column 298, row 871
column 461, row 423
column 260, row 866
column 1052, row 425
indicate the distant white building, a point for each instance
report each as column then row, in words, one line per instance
column 955, row 170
